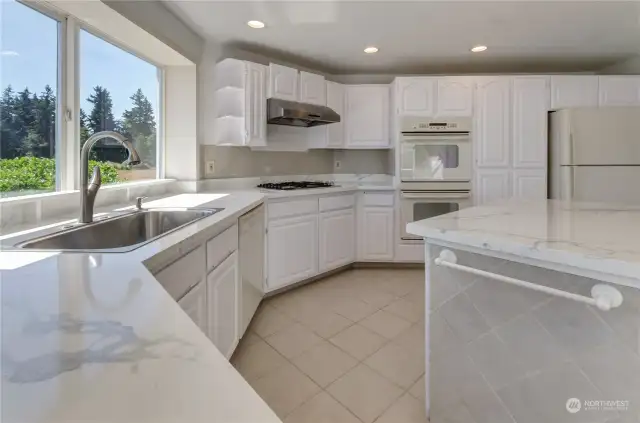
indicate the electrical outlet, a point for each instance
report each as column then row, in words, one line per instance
column 211, row 167
column 338, row 164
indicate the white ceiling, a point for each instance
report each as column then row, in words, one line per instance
column 425, row 36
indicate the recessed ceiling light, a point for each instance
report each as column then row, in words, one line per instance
column 371, row 50
column 256, row 24
column 478, row 49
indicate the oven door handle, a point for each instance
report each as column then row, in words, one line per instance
column 436, row 195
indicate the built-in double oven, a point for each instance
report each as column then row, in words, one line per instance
column 435, row 168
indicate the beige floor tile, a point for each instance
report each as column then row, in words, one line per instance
column 398, row 364
column 293, row 341
column 407, row 309
column 365, row 393
column 418, row 390
column 285, row 389
column 324, row 363
column 412, row 339
column 257, row 360
column 358, row 341
column 324, row 323
column 321, row 409
column 248, row 339
column 375, row 297
column 386, row 324
column 406, row 410
column 353, row 309
column 269, row 320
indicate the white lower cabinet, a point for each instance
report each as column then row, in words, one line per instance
column 337, row 245
column 223, row 298
column 194, row 303
column 292, row 249
column 375, row 234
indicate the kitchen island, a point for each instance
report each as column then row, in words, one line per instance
column 534, row 313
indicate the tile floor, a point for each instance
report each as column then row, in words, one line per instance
column 346, row 349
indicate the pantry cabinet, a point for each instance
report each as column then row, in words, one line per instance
column 529, row 184
column 492, row 185
column 529, row 122
column 292, row 247
column 492, row 122
column 455, row 96
column 337, row 239
column 312, row 88
column 223, row 296
column 194, row 303
column 283, row 82
column 367, row 109
column 619, row 91
column 573, row 91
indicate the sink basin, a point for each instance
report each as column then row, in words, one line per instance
column 121, row 233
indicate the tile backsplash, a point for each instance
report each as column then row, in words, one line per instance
column 502, row 353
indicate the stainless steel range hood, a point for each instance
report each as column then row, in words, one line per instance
column 292, row 113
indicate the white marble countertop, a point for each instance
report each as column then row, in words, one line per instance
column 94, row 337
column 271, row 193
column 601, row 241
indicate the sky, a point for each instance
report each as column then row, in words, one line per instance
column 28, row 58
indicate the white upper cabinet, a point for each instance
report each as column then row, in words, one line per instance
column 619, row 91
column 492, row 127
column 312, row 88
column 416, row 96
column 367, row 110
column 574, row 91
column 530, row 106
column 283, row 82
column 530, row 184
column 256, row 105
column 492, row 185
column 455, row 96
column 336, row 100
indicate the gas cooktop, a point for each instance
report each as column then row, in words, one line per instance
column 288, row 186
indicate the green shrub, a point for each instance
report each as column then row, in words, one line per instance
column 37, row 173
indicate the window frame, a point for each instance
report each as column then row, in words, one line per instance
column 67, row 137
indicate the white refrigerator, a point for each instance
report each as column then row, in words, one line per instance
column 594, row 154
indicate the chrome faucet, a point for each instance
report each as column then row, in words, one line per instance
column 89, row 190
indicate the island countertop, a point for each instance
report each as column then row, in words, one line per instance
column 596, row 240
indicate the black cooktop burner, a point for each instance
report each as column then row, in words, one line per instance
column 287, row 186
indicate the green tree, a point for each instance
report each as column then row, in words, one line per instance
column 84, row 127
column 9, row 142
column 45, row 111
column 139, row 125
column 101, row 116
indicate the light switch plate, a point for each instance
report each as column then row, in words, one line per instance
column 210, row 167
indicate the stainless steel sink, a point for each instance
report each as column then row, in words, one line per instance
column 121, row 233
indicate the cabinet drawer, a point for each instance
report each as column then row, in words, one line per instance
column 378, row 199
column 222, row 246
column 292, row 208
column 337, row 202
column 183, row 274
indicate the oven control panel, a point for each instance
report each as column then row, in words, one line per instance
column 420, row 124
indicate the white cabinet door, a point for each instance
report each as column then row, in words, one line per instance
column 530, row 184
column 223, row 292
column 194, row 303
column 492, row 185
column 292, row 249
column 492, row 122
column 455, row 97
column 574, row 91
column 375, row 234
column 619, row 91
column 256, row 105
column 312, row 88
column 283, row 82
column 335, row 100
column 337, row 239
column 367, row 116
column 416, row 96
column 530, row 107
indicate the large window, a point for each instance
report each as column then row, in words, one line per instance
column 108, row 88
column 118, row 92
column 28, row 104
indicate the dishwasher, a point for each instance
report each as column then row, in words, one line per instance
column 252, row 233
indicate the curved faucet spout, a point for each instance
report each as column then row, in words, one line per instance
column 88, row 192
